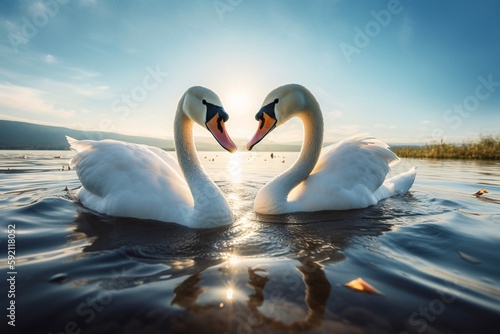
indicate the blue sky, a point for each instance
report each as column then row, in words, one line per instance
column 404, row 71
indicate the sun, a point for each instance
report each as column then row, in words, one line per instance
column 238, row 101
column 241, row 105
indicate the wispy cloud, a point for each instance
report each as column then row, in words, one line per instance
column 81, row 73
column 30, row 100
column 334, row 113
column 385, row 126
column 96, row 91
column 340, row 132
column 50, row 59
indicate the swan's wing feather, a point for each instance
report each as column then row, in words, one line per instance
column 346, row 176
column 357, row 160
column 124, row 179
column 78, row 145
column 396, row 185
column 166, row 157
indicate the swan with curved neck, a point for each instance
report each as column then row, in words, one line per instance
column 130, row 180
column 348, row 175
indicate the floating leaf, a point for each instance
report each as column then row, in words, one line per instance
column 360, row 285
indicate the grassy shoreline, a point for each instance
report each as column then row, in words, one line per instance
column 486, row 148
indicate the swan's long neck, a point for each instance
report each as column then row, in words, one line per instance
column 273, row 196
column 210, row 205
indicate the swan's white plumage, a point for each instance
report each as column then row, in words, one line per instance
column 131, row 180
column 349, row 175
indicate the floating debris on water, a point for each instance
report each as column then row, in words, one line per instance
column 360, row 285
column 468, row 258
column 60, row 278
column 481, row 192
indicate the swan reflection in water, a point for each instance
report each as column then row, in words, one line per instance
column 247, row 304
column 274, row 281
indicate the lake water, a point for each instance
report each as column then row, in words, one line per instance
column 432, row 254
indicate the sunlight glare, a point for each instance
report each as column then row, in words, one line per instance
column 241, row 105
column 229, row 294
column 238, row 101
column 233, row 259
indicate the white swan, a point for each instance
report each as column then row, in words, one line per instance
column 348, row 175
column 139, row 181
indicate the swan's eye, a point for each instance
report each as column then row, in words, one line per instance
column 204, row 101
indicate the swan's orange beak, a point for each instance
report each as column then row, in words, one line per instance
column 218, row 129
column 266, row 124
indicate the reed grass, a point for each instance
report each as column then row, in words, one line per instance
column 486, row 148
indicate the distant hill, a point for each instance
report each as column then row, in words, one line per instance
column 28, row 136
column 21, row 136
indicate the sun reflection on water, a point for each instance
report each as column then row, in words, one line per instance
column 229, row 294
column 233, row 260
column 234, row 167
